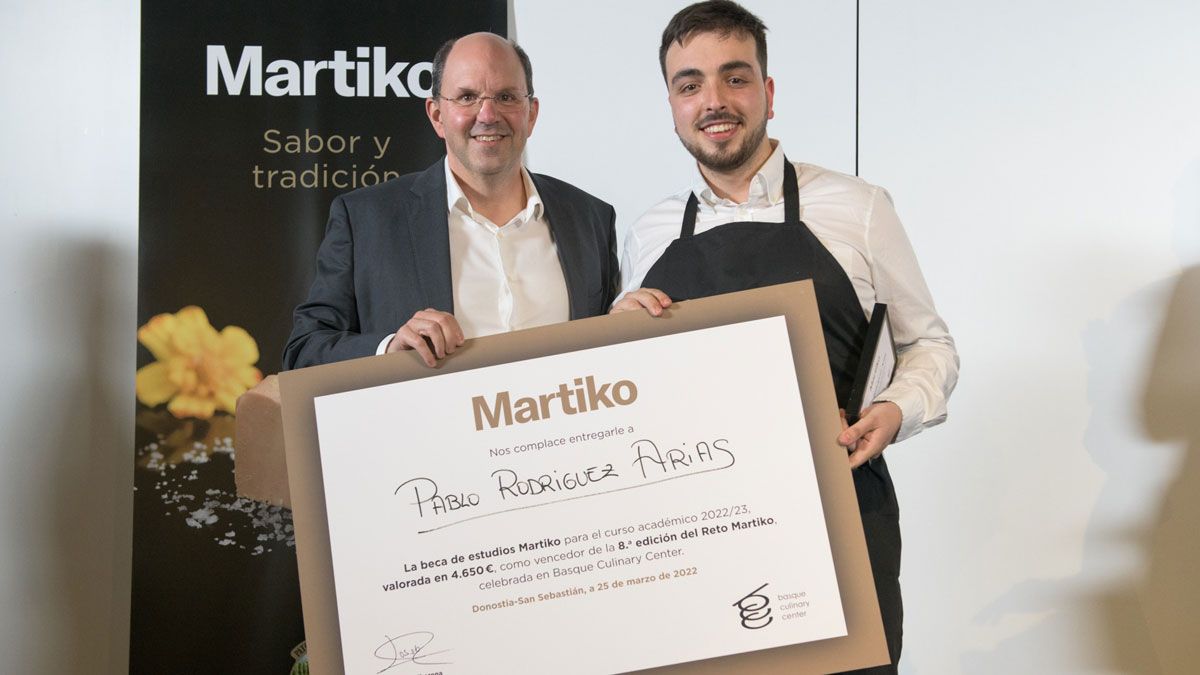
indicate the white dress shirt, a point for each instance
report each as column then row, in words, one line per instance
column 504, row 278
column 857, row 223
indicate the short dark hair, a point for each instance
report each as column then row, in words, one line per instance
column 443, row 52
column 714, row 16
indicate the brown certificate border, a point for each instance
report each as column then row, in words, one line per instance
column 863, row 646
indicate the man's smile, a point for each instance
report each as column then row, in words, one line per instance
column 489, row 138
column 719, row 129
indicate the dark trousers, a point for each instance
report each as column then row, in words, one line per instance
column 881, row 525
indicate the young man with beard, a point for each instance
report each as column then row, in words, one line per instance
column 473, row 245
column 755, row 219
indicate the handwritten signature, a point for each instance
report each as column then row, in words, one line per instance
column 408, row 648
column 654, row 463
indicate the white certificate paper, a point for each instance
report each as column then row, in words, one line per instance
column 599, row 511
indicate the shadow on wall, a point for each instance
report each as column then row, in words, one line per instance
column 75, row 418
column 1171, row 412
column 1132, row 605
column 1091, row 620
column 1148, row 521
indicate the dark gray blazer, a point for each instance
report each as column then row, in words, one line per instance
column 386, row 256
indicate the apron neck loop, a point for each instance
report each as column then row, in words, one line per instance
column 689, row 217
column 791, row 193
column 791, row 203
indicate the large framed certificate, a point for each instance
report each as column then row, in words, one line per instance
column 607, row 495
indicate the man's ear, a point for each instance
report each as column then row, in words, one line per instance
column 770, row 87
column 434, row 112
column 534, row 106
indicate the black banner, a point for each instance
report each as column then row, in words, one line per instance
column 253, row 117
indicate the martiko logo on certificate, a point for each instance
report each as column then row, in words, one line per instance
column 583, row 397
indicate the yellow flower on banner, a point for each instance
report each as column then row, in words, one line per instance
column 198, row 370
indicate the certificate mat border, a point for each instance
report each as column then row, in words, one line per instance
column 863, row 646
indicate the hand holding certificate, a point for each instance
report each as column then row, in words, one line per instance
column 595, row 510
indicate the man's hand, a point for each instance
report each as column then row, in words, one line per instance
column 428, row 328
column 873, row 431
column 651, row 299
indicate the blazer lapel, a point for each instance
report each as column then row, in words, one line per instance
column 560, row 213
column 430, row 230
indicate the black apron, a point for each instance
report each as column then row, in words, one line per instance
column 743, row 255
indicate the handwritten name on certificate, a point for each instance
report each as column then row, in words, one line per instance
column 612, row 509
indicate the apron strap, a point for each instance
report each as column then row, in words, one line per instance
column 791, row 193
column 689, row 217
column 791, row 203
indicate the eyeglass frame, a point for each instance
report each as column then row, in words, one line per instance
column 479, row 99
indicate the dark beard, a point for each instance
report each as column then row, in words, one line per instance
column 727, row 161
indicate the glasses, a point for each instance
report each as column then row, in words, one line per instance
column 506, row 100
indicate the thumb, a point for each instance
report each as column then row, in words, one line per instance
column 852, row 433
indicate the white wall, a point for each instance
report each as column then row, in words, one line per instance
column 68, row 208
column 1046, row 159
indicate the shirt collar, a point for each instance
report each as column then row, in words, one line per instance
column 455, row 199
column 766, row 187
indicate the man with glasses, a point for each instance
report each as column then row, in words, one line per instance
column 473, row 245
